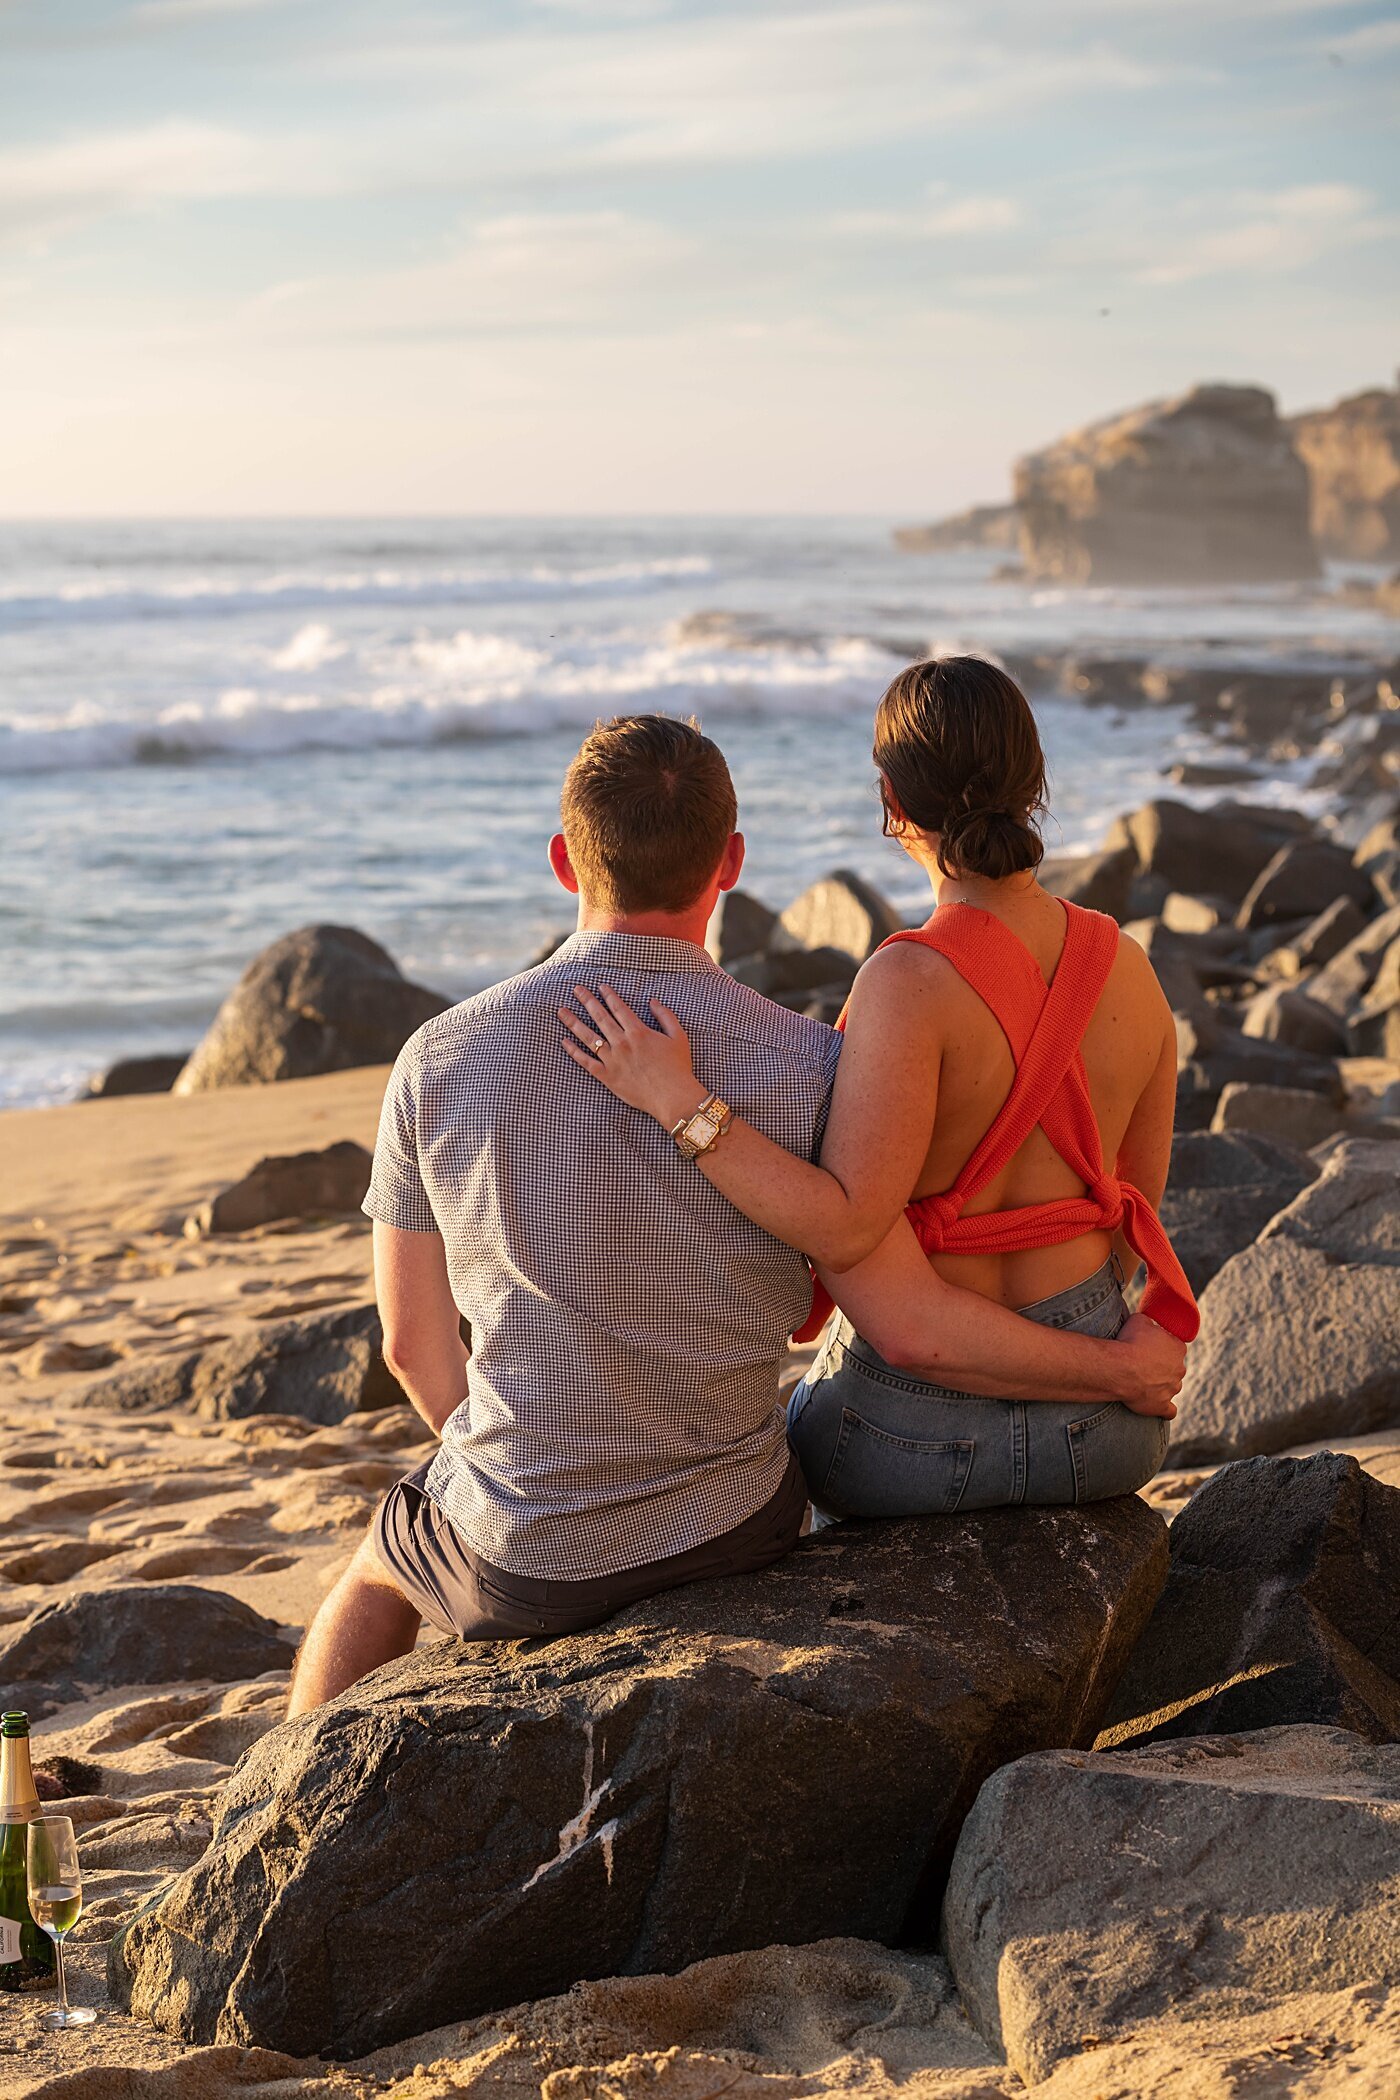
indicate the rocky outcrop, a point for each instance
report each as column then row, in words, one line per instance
column 773, row 1757
column 137, row 1075
column 1289, row 1115
column 1221, row 851
column 1282, row 1606
column 1300, row 1333
column 984, row 525
column 842, row 911
column 1203, row 489
column 135, row 1633
column 321, row 1366
column 1300, row 880
column 1222, row 1191
column 1352, row 456
column 320, row 1000
column 1098, row 881
column 295, row 1185
column 740, row 925
column 1071, row 1912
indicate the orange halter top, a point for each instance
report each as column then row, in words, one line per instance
column 1044, row 1025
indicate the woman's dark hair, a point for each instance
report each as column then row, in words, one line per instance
column 958, row 751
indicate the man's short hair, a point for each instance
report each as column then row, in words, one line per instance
column 648, row 808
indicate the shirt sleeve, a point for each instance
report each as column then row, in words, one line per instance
column 831, row 1059
column 396, row 1193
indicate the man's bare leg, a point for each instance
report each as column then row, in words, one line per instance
column 364, row 1621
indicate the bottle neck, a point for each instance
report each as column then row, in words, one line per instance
column 18, row 1801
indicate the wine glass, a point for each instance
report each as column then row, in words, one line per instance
column 56, row 1901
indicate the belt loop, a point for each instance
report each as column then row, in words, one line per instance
column 1117, row 1268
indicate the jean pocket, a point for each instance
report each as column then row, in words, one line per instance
column 1115, row 1452
column 874, row 1473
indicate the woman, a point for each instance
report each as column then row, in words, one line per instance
column 994, row 1060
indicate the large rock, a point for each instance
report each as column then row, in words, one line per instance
column 1283, row 1013
column 1098, row 881
column 1290, row 1115
column 135, row 1633
column 1221, row 1193
column 1091, row 1895
column 773, row 1757
column 1220, row 851
column 321, row 1366
column 841, row 911
column 1204, row 489
column 1300, row 1334
column 740, row 925
column 137, row 1075
column 1352, row 456
column 1374, row 1026
column 1321, row 939
column 984, row 525
column 319, row 1000
column 295, row 1185
column 1283, row 1605
column 1301, row 880
column 1342, row 983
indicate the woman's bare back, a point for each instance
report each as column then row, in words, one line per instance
column 1126, row 1046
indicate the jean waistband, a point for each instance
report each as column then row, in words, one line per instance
column 1065, row 1307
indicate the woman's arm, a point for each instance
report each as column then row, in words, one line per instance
column 878, row 1132
column 1145, row 1155
column 954, row 1337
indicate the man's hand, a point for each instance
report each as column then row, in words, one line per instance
column 1150, row 1364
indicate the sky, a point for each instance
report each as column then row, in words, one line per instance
column 593, row 256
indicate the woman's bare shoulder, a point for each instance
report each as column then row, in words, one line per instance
column 1134, row 978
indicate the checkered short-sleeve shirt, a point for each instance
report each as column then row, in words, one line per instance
column 627, row 1321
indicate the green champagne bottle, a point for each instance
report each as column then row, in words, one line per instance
column 27, row 1956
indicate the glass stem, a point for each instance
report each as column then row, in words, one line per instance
column 57, row 1938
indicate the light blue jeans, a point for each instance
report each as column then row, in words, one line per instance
column 874, row 1442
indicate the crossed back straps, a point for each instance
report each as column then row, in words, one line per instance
column 1044, row 1026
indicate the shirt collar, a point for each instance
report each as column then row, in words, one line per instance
column 635, row 951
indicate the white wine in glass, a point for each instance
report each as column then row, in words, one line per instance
column 56, row 1902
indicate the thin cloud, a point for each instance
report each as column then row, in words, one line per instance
column 1270, row 234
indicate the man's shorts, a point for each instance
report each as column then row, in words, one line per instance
column 458, row 1592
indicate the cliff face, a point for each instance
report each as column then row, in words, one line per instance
column 1200, row 490
column 1352, row 454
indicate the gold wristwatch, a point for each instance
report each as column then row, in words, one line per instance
column 696, row 1133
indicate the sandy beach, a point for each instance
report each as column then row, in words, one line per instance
column 97, row 1275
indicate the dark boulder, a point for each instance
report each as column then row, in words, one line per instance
column 1222, row 850
column 1290, row 1115
column 1321, row 939
column 321, row 1366
column 137, row 1075
column 1283, row 1605
column 322, row 999
column 135, row 1633
column 1244, row 1060
column 740, row 925
column 1098, row 881
column 1342, row 983
column 1094, row 1896
column 1221, row 1193
column 1301, row 880
column 780, row 972
column 1300, row 1333
column 776, row 1757
column 299, row 1185
column 1283, row 1013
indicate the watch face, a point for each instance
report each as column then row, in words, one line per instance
column 703, row 1128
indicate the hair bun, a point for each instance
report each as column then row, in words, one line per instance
column 991, row 842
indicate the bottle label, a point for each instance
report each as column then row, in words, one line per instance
column 9, row 1939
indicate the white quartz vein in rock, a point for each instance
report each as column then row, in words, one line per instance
column 578, row 1829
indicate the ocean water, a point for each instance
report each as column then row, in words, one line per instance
column 212, row 733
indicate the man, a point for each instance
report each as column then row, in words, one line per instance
column 623, row 1432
